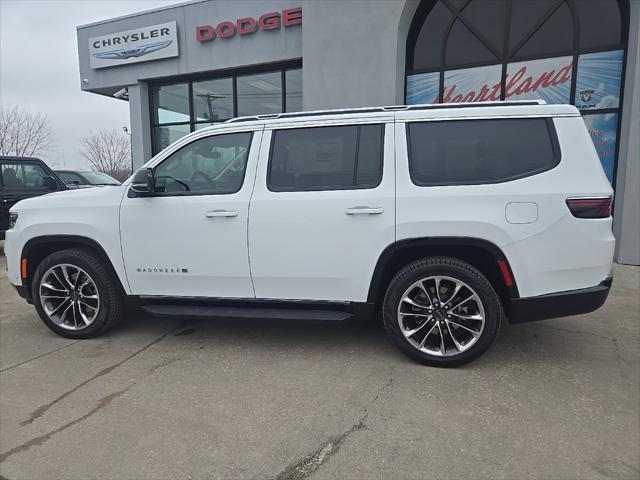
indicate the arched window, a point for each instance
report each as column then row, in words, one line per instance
column 561, row 51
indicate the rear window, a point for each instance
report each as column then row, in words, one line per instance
column 326, row 158
column 467, row 152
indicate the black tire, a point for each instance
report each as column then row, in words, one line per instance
column 450, row 267
column 111, row 303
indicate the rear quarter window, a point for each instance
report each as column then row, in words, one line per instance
column 474, row 152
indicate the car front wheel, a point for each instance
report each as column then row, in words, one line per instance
column 441, row 311
column 75, row 295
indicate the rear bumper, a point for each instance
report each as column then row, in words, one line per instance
column 561, row 304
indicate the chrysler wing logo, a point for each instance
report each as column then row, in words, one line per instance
column 123, row 54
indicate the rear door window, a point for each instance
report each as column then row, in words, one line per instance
column 468, row 152
column 326, row 158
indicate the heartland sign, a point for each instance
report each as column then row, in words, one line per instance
column 132, row 46
column 249, row 25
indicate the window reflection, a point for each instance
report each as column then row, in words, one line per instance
column 171, row 103
column 180, row 108
column 293, row 88
column 259, row 94
column 165, row 136
column 213, row 100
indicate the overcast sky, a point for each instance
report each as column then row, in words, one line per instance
column 39, row 68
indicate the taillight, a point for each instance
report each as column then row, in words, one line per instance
column 590, row 207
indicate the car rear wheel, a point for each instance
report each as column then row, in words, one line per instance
column 75, row 295
column 441, row 311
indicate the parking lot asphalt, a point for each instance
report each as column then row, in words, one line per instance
column 162, row 398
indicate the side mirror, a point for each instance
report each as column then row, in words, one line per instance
column 50, row 183
column 142, row 184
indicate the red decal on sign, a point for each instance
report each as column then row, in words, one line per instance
column 269, row 21
column 292, row 16
column 244, row 26
column 247, row 25
column 226, row 29
column 204, row 33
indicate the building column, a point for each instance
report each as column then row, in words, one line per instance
column 626, row 222
column 140, row 124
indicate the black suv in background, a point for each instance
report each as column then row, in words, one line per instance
column 20, row 178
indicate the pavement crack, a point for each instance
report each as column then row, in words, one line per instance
column 163, row 364
column 38, row 358
column 38, row 412
column 309, row 464
column 102, row 403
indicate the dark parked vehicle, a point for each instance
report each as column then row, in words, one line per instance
column 20, row 178
column 86, row 179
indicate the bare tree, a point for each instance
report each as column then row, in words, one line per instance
column 108, row 151
column 24, row 134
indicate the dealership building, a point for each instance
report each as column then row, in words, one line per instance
column 190, row 65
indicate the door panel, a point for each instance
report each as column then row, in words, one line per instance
column 319, row 245
column 193, row 245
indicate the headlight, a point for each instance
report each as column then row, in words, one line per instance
column 13, row 218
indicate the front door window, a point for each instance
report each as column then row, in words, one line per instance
column 210, row 165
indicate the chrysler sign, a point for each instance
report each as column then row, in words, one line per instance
column 137, row 45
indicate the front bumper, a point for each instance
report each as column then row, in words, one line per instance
column 561, row 304
column 24, row 292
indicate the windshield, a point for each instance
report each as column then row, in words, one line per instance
column 99, row 178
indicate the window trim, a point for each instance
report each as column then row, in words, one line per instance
column 551, row 131
column 207, row 193
column 328, row 188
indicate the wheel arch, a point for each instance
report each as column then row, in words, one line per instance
column 482, row 254
column 38, row 248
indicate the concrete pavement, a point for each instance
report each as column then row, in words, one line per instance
column 261, row 399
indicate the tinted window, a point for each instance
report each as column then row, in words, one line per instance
column 593, row 14
column 326, row 158
column 22, row 175
column 429, row 40
column 70, row 177
column 464, row 47
column 555, row 35
column 478, row 151
column 210, row 165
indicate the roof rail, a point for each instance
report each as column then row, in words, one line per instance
column 390, row 108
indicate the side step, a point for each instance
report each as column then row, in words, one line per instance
column 206, row 311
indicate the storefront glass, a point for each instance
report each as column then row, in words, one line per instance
column 560, row 51
column 182, row 107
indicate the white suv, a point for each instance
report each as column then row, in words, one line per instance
column 446, row 218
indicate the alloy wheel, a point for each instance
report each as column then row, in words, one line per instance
column 69, row 297
column 441, row 316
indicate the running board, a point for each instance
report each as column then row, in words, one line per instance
column 206, row 311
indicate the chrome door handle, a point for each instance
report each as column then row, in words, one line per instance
column 364, row 210
column 221, row 213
